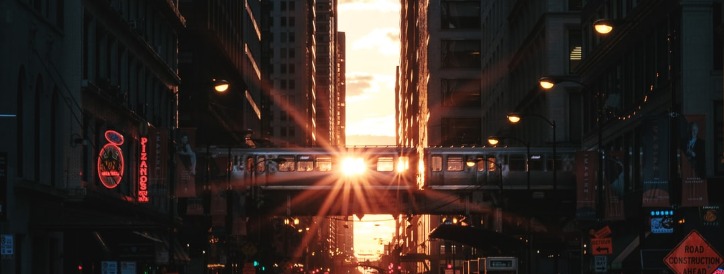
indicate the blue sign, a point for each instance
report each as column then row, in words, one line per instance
column 662, row 221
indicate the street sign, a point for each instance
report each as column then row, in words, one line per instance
column 603, row 232
column 693, row 255
column 600, row 264
column 7, row 245
column 602, row 246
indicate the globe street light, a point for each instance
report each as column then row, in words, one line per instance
column 221, row 86
column 515, row 118
column 603, row 26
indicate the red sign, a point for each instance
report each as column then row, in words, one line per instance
column 602, row 246
column 602, row 233
column 693, row 255
column 110, row 160
column 143, row 172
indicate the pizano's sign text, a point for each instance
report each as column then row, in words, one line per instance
column 143, row 172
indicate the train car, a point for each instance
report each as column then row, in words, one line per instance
column 321, row 168
column 498, row 168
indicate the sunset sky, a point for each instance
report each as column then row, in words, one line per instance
column 372, row 28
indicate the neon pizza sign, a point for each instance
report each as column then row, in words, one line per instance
column 143, row 172
column 110, row 160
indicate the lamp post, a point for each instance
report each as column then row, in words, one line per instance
column 548, row 83
column 515, row 118
column 494, row 140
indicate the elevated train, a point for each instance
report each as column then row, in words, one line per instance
column 391, row 167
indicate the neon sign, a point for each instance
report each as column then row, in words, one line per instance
column 143, row 172
column 110, row 160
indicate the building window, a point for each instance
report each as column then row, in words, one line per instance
column 574, row 50
column 460, row 53
column 460, row 14
column 461, row 92
column 461, row 131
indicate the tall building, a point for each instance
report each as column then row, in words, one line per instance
column 222, row 43
column 634, row 100
column 84, row 178
column 302, row 74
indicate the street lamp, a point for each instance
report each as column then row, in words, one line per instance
column 548, row 83
column 494, row 140
column 515, row 118
column 221, row 86
column 603, row 26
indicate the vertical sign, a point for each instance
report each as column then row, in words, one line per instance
column 692, row 149
column 586, row 168
column 3, row 186
column 143, row 171
column 185, row 163
column 655, row 162
column 614, row 174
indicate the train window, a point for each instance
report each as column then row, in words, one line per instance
column 305, row 163
column 324, row 163
column 261, row 164
column 287, row 164
column 517, row 162
column 455, row 163
column 536, row 163
column 385, row 163
column 436, row 163
column 249, row 164
column 476, row 161
column 492, row 164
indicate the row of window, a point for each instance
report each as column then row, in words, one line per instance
column 289, row 163
column 512, row 162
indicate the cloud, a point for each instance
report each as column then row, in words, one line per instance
column 384, row 40
column 370, row 5
column 357, row 84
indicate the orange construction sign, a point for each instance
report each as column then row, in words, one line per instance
column 693, row 255
column 602, row 246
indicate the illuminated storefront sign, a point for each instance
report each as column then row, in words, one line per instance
column 143, row 172
column 110, row 160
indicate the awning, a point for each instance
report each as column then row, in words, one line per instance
column 480, row 238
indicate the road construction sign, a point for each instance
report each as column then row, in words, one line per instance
column 693, row 255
